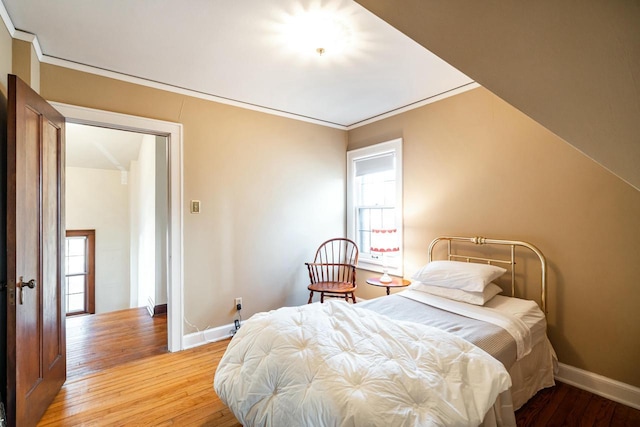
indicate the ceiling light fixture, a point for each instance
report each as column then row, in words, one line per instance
column 317, row 32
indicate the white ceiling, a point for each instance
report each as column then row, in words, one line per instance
column 239, row 51
column 100, row 148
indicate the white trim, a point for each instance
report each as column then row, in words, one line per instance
column 30, row 38
column 435, row 98
column 209, row 335
column 18, row 34
column 394, row 146
column 169, row 88
column 173, row 131
column 182, row 91
column 7, row 20
column 597, row 384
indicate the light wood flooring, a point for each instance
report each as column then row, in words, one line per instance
column 120, row 374
column 101, row 341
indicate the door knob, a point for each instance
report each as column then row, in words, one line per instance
column 20, row 285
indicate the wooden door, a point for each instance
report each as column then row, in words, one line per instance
column 36, row 361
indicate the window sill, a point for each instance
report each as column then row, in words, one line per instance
column 377, row 268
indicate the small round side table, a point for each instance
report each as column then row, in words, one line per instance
column 395, row 283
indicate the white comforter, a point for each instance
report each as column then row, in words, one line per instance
column 333, row 364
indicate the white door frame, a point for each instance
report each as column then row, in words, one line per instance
column 173, row 131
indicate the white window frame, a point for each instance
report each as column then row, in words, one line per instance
column 365, row 261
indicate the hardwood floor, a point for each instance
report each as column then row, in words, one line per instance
column 133, row 380
column 565, row 405
column 100, row 341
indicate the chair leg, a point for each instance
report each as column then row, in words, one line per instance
column 353, row 297
column 321, row 297
column 346, row 297
column 310, row 297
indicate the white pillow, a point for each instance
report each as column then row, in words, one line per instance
column 476, row 298
column 467, row 276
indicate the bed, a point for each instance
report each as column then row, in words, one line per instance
column 447, row 351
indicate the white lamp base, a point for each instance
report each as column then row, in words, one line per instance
column 385, row 278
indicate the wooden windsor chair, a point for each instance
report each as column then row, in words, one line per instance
column 333, row 271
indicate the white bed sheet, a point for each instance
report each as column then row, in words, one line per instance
column 525, row 310
column 522, row 318
column 507, row 315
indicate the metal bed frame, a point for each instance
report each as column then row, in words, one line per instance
column 510, row 261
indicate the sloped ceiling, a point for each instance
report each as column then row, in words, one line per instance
column 573, row 66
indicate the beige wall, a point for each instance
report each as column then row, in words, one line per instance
column 26, row 64
column 6, row 59
column 143, row 220
column 272, row 189
column 473, row 165
column 96, row 199
column 162, row 208
column 148, row 222
column 133, row 181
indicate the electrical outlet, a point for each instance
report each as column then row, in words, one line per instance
column 238, row 303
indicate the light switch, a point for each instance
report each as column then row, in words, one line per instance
column 195, row 206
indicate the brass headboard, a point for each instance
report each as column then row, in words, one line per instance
column 511, row 261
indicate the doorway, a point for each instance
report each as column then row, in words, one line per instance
column 116, row 189
column 173, row 134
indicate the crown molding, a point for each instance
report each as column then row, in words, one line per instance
column 452, row 92
column 208, row 97
column 19, row 34
column 179, row 90
column 30, row 38
column 7, row 19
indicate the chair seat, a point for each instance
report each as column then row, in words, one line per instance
column 333, row 287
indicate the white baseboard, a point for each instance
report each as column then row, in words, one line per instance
column 196, row 339
column 597, row 384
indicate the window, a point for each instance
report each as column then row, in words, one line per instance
column 80, row 272
column 374, row 205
